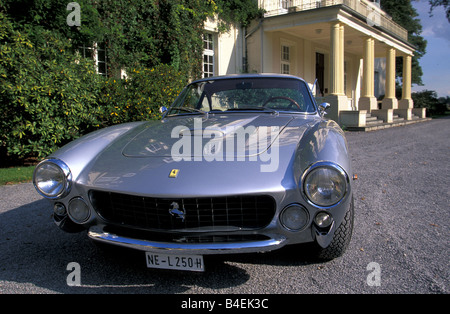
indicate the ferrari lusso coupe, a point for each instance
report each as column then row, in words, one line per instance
column 237, row 164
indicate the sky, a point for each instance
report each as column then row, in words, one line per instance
column 436, row 62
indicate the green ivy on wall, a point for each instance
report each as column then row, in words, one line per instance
column 50, row 94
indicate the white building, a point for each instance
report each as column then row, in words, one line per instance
column 348, row 46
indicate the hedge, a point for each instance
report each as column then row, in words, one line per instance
column 48, row 96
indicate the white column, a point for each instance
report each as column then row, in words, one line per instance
column 406, row 102
column 336, row 60
column 368, row 101
column 337, row 98
column 389, row 101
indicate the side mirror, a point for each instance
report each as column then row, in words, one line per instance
column 323, row 108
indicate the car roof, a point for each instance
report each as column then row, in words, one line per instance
column 249, row 76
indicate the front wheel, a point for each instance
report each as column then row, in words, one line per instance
column 341, row 238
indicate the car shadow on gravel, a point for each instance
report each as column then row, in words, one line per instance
column 36, row 255
column 293, row 255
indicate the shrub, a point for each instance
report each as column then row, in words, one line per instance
column 140, row 95
column 47, row 97
column 429, row 100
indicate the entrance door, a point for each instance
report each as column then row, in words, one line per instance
column 320, row 73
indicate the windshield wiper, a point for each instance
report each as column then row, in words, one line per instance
column 268, row 110
column 191, row 110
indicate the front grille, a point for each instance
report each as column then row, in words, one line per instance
column 249, row 212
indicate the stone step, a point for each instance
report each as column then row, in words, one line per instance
column 373, row 121
column 397, row 118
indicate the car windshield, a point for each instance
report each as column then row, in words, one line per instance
column 244, row 94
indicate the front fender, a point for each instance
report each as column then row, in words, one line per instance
column 78, row 153
column 325, row 142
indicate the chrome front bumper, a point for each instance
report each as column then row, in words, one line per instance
column 97, row 234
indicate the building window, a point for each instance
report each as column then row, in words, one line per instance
column 102, row 60
column 285, row 59
column 98, row 53
column 208, row 55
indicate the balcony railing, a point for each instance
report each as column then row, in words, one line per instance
column 371, row 11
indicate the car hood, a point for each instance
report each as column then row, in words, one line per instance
column 232, row 135
column 136, row 158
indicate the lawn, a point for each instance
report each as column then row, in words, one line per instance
column 16, row 175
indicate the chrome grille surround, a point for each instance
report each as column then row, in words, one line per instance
column 206, row 213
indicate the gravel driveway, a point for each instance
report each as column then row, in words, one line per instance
column 400, row 242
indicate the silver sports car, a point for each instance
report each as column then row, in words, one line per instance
column 242, row 163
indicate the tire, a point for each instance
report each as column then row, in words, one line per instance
column 341, row 238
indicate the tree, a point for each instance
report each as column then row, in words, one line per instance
column 428, row 99
column 238, row 11
column 404, row 14
column 443, row 3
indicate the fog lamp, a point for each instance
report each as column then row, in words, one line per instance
column 294, row 217
column 79, row 211
column 59, row 209
column 323, row 220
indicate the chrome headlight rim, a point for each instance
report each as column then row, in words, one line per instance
column 66, row 179
column 327, row 165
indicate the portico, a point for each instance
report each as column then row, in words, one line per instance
column 343, row 39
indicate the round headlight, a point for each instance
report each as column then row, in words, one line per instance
column 52, row 178
column 325, row 184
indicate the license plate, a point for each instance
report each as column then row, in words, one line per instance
column 178, row 262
